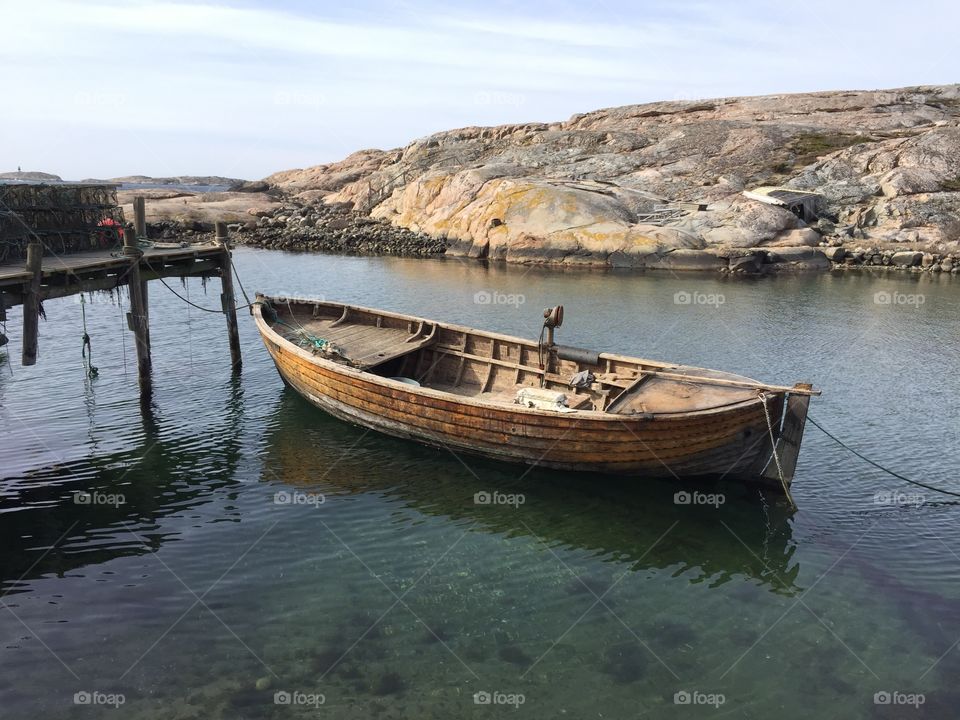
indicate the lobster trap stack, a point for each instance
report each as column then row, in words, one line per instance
column 66, row 218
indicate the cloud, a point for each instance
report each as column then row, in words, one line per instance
column 195, row 87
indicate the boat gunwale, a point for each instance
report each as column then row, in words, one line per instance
column 573, row 414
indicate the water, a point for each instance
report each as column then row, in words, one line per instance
column 204, row 594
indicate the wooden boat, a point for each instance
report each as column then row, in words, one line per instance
column 529, row 401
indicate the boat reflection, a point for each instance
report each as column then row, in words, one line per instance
column 618, row 520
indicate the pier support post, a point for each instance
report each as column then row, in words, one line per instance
column 31, row 303
column 138, row 317
column 227, row 301
column 140, row 216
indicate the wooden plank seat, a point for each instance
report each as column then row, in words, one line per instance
column 366, row 346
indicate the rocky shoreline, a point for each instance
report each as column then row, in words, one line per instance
column 338, row 228
column 332, row 228
column 747, row 186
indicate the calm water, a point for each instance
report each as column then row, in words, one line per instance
column 204, row 595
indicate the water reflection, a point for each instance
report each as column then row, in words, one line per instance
column 616, row 520
column 65, row 516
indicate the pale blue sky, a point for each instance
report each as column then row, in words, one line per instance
column 103, row 88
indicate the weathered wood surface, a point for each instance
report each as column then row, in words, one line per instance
column 140, row 216
column 469, row 383
column 138, row 318
column 229, row 307
column 47, row 277
column 788, row 444
column 71, row 269
column 31, row 303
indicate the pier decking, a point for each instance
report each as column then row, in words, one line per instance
column 105, row 270
column 42, row 278
column 48, row 236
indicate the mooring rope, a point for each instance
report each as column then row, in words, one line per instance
column 188, row 302
column 863, row 457
column 209, row 310
column 240, row 283
column 773, row 445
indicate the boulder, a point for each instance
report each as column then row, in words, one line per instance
column 338, row 224
column 745, row 264
column 799, row 258
column 906, row 258
column 834, row 254
column 684, row 259
column 908, row 181
column 250, row 186
column 798, row 237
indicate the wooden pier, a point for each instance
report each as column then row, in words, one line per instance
column 42, row 278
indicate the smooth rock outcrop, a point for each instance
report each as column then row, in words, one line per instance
column 623, row 185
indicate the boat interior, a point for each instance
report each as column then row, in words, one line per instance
column 494, row 368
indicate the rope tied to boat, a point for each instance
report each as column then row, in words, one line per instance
column 863, row 457
column 200, row 307
column 300, row 336
column 773, row 445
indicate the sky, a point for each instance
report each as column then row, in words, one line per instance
column 101, row 88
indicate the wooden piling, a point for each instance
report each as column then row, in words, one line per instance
column 140, row 216
column 227, row 301
column 146, row 310
column 138, row 317
column 31, row 303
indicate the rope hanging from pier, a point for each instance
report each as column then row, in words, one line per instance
column 188, row 302
column 87, row 349
column 842, row 444
column 200, row 307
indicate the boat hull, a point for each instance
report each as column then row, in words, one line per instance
column 732, row 441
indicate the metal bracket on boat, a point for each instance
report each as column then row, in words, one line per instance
column 552, row 319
